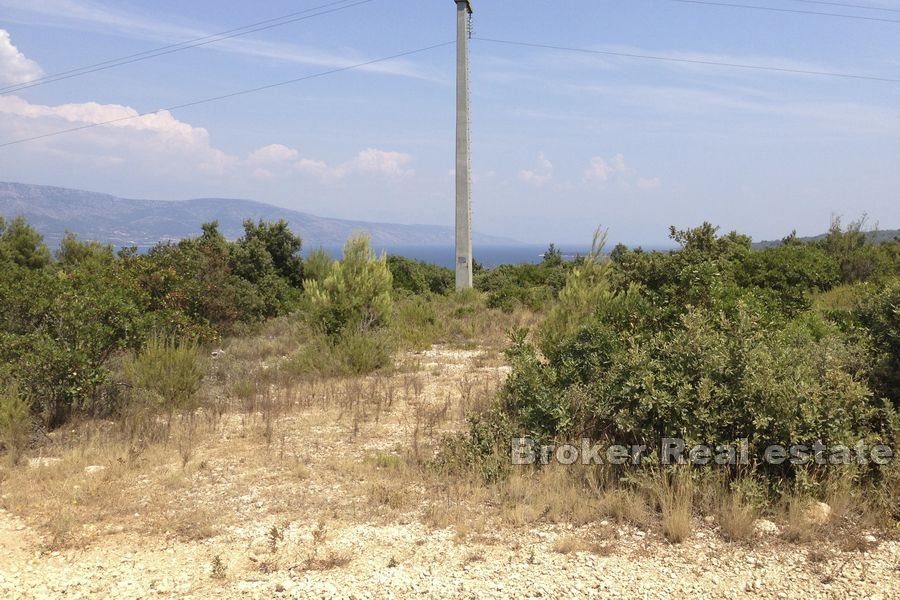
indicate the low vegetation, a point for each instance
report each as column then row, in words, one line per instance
column 154, row 368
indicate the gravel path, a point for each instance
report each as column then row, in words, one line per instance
column 409, row 561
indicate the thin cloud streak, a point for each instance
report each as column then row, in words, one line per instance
column 93, row 17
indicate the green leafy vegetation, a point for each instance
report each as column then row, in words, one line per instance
column 711, row 343
column 532, row 286
column 65, row 319
column 355, row 294
column 15, row 422
column 169, row 372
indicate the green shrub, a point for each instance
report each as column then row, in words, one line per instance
column 792, row 272
column 169, row 371
column 588, row 286
column 419, row 277
column 482, row 449
column 356, row 293
column 57, row 330
column 21, row 245
column 268, row 248
column 348, row 353
column 880, row 315
column 710, row 365
column 317, row 265
column 415, row 323
column 15, row 422
column 528, row 285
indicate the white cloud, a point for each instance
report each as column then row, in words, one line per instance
column 15, row 67
column 616, row 171
column 273, row 153
column 373, row 161
column 598, row 170
column 129, row 143
column 539, row 175
column 157, row 138
column 391, row 164
column 312, row 167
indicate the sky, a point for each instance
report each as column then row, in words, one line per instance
column 562, row 141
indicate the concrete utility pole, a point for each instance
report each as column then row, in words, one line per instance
column 463, row 166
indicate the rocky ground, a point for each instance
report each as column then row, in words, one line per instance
column 320, row 510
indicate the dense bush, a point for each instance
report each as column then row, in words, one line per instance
column 62, row 320
column 168, row 372
column 15, row 421
column 791, row 272
column 632, row 344
column 317, row 265
column 417, row 277
column 22, row 246
column 689, row 344
column 351, row 352
column 60, row 325
column 532, row 286
column 859, row 260
column 216, row 284
column 880, row 315
column 355, row 294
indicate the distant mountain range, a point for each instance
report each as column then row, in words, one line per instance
column 125, row 222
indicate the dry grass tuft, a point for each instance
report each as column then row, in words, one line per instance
column 570, row 544
column 388, row 495
column 819, row 556
column 673, row 491
column 331, row 560
column 736, row 518
column 626, row 506
column 798, row 528
column 193, row 525
column 857, row 543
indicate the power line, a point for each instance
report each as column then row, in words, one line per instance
column 229, row 95
column 786, row 10
column 860, row 6
column 690, row 61
column 193, row 43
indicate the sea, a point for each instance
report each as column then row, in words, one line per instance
column 488, row 256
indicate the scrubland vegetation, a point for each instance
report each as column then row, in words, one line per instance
column 206, row 348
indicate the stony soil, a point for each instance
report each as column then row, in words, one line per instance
column 331, row 541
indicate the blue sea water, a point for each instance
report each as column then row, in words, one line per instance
column 488, row 256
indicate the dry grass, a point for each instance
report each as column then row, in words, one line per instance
column 855, row 542
column 673, row 491
column 63, row 500
column 626, row 506
column 382, row 494
column 361, row 448
column 819, row 556
column 736, row 518
column 797, row 526
column 331, row 560
column 474, row 527
column 570, row 544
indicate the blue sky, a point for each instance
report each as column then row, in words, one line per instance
column 561, row 141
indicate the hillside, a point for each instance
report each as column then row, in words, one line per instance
column 124, row 222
